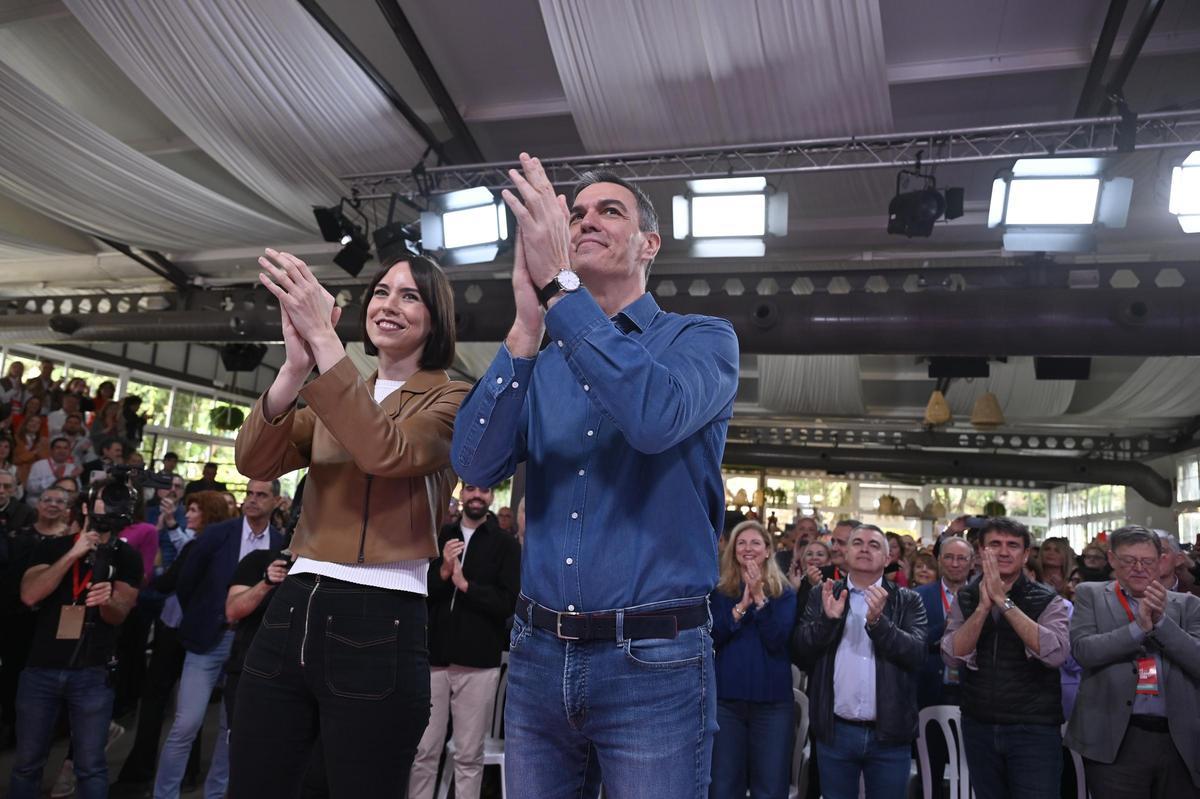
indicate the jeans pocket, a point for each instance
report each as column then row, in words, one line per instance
column 520, row 631
column 664, row 653
column 361, row 656
column 265, row 658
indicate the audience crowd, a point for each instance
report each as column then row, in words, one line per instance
column 1040, row 651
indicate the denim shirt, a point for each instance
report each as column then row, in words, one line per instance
column 621, row 423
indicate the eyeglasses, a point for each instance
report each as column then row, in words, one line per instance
column 1129, row 562
column 956, row 558
column 52, row 501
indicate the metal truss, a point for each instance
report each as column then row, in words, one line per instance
column 1093, row 136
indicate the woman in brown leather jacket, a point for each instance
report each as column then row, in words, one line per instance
column 341, row 650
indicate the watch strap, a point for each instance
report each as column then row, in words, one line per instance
column 547, row 292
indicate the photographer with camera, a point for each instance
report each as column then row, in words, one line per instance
column 83, row 587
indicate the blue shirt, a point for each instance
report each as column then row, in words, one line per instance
column 854, row 664
column 621, row 423
column 752, row 654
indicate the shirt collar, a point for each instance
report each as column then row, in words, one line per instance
column 248, row 533
column 639, row 314
column 851, row 585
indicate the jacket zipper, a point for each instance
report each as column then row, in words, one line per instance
column 362, row 541
column 307, row 614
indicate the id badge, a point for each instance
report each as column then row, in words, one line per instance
column 1147, row 682
column 70, row 622
column 950, row 675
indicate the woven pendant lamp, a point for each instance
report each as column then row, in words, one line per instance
column 937, row 412
column 987, row 414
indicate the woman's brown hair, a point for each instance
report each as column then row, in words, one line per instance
column 212, row 506
column 438, row 297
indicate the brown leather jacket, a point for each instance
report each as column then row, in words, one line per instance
column 379, row 479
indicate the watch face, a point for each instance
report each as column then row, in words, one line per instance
column 568, row 280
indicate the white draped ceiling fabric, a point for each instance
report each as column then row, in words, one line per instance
column 261, row 88
column 1158, row 388
column 674, row 73
column 810, row 384
column 1020, row 394
column 58, row 163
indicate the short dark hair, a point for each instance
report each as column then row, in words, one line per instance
column 647, row 216
column 1005, row 526
column 171, row 455
column 872, row 528
column 438, row 298
column 210, row 465
column 1134, row 534
column 854, row 524
column 57, row 439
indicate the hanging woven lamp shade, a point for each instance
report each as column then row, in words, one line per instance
column 937, row 412
column 987, row 414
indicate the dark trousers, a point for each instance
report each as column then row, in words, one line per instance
column 131, row 654
column 345, row 662
column 16, row 639
column 1013, row 761
column 1148, row 766
column 166, row 664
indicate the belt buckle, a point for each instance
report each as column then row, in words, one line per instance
column 558, row 617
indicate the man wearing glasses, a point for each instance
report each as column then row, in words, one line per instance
column 1137, row 720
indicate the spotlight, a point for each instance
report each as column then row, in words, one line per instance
column 913, row 213
column 336, row 226
column 1055, row 204
column 397, row 240
column 729, row 217
column 1185, row 193
column 465, row 227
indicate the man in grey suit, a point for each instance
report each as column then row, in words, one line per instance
column 1137, row 720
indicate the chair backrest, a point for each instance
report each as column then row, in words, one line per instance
column 501, row 695
column 1081, row 791
column 948, row 718
column 800, row 746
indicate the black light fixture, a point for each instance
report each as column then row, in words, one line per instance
column 913, row 213
column 397, row 239
column 336, row 226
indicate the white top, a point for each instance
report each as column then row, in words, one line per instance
column 252, row 542
column 400, row 575
column 854, row 663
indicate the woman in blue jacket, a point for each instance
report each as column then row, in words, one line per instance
column 754, row 610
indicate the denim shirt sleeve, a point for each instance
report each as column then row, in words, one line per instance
column 674, row 396
column 490, row 430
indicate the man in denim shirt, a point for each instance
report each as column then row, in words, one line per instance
column 621, row 423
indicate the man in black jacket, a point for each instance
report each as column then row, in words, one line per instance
column 862, row 640
column 1008, row 636
column 473, row 589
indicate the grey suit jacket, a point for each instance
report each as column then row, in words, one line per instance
column 1101, row 642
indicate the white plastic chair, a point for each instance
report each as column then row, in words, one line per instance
column 1081, row 791
column 801, row 746
column 493, row 745
column 949, row 720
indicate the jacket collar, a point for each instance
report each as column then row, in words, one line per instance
column 421, row 382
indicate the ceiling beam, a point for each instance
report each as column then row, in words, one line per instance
column 1020, row 62
column 1137, row 40
column 155, row 261
column 1090, row 96
column 421, row 62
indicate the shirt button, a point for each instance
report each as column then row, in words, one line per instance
column 590, row 432
column 574, row 515
column 570, row 561
column 586, row 387
column 516, row 384
column 581, row 472
column 559, row 342
column 482, row 420
column 499, row 380
column 571, row 608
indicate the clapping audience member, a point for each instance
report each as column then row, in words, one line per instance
column 1057, row 560
column 754, row 611
column 924, row 570
column 32, row 445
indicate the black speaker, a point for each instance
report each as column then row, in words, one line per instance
column 1062, row 368
column 952, row 366
column 242, row 357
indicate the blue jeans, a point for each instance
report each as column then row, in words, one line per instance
column 1013, row 760
column 854, row 752
column 201, row 672
column 753, row 749
column 638, row 714
column 89, row 703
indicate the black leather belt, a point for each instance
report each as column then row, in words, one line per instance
column 569, row 626
column 1149, row 723
column 856, row 722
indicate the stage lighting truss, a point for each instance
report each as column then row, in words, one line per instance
column 729, row 217
column 1056, row 204
column 1185, row 193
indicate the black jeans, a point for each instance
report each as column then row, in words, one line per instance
column 343, row 661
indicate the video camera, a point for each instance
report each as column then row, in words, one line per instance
column 119, row 489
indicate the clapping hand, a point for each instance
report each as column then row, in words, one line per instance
column 991, row 584
column 876, row 601
column 307, row 311
column 834, row 608
column 542, row 218
column 813, row 573
column 1152, row 606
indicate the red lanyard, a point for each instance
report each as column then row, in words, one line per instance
column 1124, row 601
column 78, row 585
column 945, row 599
column 837, row 574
